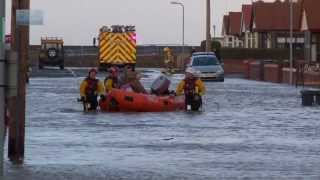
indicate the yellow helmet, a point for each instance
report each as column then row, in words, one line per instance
column 166, row 49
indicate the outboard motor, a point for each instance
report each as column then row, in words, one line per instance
column 160, row 86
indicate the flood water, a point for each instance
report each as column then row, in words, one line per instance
column 249, row 130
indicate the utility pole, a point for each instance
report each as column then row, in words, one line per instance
column 2, row 81
column 291, row 41
column 20, row 45
column 208, row 36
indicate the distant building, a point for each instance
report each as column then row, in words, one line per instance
column 271, row 24
column 249, row 37
column 310, row 25
column 231, row 30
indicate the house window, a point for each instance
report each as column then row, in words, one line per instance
column 255, row 41
column 251, row 40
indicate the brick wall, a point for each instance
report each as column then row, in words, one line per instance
column 234, row 66
column 312, row 78
column 256, row 71
column 286, row 75
column 273, row 73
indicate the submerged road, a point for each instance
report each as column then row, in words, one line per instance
column 249, row 130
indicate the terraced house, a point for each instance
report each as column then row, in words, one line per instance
column 231, row 30
column 248, row 37
column 310, row 25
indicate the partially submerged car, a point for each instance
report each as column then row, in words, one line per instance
column 208, row 66
column 51, row 52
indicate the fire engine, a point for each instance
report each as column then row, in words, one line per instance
column 117, row 46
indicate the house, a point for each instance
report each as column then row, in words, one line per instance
column 231, row 30
column 225, row 32
column 271, row 24
column 246, row 19
column 310, row 25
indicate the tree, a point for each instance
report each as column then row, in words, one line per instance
column 215, row 47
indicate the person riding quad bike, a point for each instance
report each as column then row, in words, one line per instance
column 193, row 89
column 90, row 89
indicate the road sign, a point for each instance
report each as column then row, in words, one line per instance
column 27, row 17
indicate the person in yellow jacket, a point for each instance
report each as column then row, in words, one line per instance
column 112, row 80
column 90, row 89
column 168, row 59
column 193, row 88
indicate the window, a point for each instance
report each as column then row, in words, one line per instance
column 205, row 61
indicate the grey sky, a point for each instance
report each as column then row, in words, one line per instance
column 156, row 21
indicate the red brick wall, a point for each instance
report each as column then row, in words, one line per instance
column 312, row 78
column 272, row 73
column 255, row 71
column 286, row 76
column 232, row 66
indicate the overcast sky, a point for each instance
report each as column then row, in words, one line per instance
column 156, row 21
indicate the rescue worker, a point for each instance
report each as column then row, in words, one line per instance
column 193, row 88
column 132, row 79
column 168, row 59
column 112, row 80
column 90, row 89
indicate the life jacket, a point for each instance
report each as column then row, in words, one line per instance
column 114, row 82
column 190, row 86
column 91, row 87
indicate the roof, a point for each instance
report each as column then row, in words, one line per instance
column 235, row 23
column 311, row 8
column 225, row 27
column 275, row 16
column 246, row 15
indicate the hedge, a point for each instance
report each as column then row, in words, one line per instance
column 274, row 54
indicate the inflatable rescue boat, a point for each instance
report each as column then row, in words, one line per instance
column 125, row 101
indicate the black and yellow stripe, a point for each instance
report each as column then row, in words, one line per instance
column 117, row 48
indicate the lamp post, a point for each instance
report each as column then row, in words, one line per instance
column 208, row 36
column 2, row 82
column 291, row 41
column 180, row 4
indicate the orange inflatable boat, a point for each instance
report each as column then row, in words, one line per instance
column 125, row 101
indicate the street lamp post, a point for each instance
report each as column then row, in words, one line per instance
column 208, row 36
column 2, row 82
column 291, row 41
column 179, row 3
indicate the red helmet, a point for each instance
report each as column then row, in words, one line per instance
column 113, row 71
column 93, row 70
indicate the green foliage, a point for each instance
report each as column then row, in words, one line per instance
column 215, row 47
